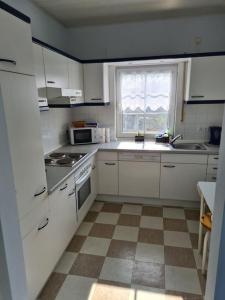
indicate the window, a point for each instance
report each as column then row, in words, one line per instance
column 145, row 99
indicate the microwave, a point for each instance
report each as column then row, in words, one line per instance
column 87, row 135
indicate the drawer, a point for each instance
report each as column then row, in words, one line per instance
column 212, row 169
column 107, row 155
column 213, row 159
column 184, row 158
column 139, row 156
column 211, row 177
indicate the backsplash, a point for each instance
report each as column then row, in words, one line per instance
column 54, row 124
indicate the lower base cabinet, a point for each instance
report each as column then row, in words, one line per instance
column 107, row 177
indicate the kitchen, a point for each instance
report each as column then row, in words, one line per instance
column 93, row 206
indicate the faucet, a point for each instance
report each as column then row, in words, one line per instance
column 179, row 136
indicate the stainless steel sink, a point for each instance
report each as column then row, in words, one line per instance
column 189, row 146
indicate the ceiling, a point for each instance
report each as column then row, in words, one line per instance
column 92, row 12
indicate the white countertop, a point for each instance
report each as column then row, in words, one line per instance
column 208, row 189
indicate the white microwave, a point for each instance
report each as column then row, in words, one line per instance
column 87, row 135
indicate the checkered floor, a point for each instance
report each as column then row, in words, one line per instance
column 130, row 252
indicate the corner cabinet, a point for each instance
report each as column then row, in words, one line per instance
column 76, row 77
column 96, row 83
column 205, row 78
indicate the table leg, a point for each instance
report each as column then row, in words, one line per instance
column 202, row 211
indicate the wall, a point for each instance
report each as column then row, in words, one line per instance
column 54, row 124
column 43, row 26
column 157, row 37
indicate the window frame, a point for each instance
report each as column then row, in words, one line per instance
column 173, row 103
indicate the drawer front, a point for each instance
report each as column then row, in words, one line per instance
column 107, row 155
column 213, row 159
column 184, row 158
column 212, row 169
column 137, row 156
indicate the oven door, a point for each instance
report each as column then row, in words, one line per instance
column 83, row 188
column 82, row 136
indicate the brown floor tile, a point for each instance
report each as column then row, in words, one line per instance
column 151, row 236
column 202, row 280
column 91, row 216
column 175, row 224
column 52, row 286
column 180, row 257
column 122, row 249
column 153, row 211
column 112, row 207
column 194, row 240
column 102, row 230
column 129, row 220
column 76, row 243
column 173, row 295
column 108, row 290
column 87, row 265
column 149, row 274
column 192, row 214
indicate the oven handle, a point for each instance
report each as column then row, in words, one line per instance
column 83, row 178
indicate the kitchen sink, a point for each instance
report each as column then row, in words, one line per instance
column 189, row 146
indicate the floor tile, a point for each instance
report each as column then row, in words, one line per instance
column 122, row 249
column 173, row 213
column 97, row 206
column 87, row 265
column 193, row 226
column 107, row 290
column 107, row 218
column 140, row 292
column 76, row 287
column 151, row 236
column 198, row 259
column 95, row 246
column 66, row 262
column 91, row 216
column 175, row 295
column 112, row 207
column 129, row 220
column 76, row 243
column 194, row 240
column 182, row 279
column 118, row 270
column 151, row 222
column 192, row 214
column 175, row 224
column 202, row 280
column 153, row 211
column 131, row 209
column 52, row 287
column 149, row 274
column 177, row 239
column 126, row 233
column 180, row 257
column 84, row 228
column 150, row 253
column 102, row 230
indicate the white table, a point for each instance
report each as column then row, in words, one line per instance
column 207, row 193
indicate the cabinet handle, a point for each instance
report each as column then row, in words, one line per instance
column 215, row 168
column 40, row 193
column 214, row 178
column 110, row 164
column 40, row 227
column 10, row 61
column 198, row 96
column 94, row 167
column 169, row 166
column 50, row 81
column 72, row 193
column 216, row 158
column 96, row 99
column 63, row 188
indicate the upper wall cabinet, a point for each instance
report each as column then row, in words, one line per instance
column 56, row 69
column 96, row 83
column 15, row 33
column 76, row 77
column 205, row 79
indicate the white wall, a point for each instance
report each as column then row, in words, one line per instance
column 157, row 37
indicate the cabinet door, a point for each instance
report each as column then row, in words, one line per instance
column 139, row 179
column 16, row 44
column 179, row 181
column 23, row 125
column 107, row 177
column 56, row 69
column 94, row 191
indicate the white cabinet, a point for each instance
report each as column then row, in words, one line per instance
column 56, row 69
column 15, row 50
column 94, row 182
column 212, row 167
column 107, row 177
column 23, row 125
column 96, row 83
column 178, row 181
column 76, row 77
column 140, row 179
column 205, row 78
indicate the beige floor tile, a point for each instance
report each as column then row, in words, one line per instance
column 106, row 290
column 173, row 213
column 177, row 239
column 84, row 228
column 193, row 226
column 97, row 206
column 150, row 253
column 182, row 279
column 151, row 222
column 126, row 233
column 139, row 292
column 95, row 246
column 131, row 209
column 66, row 262
column 107, row 218
column 198, row 259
